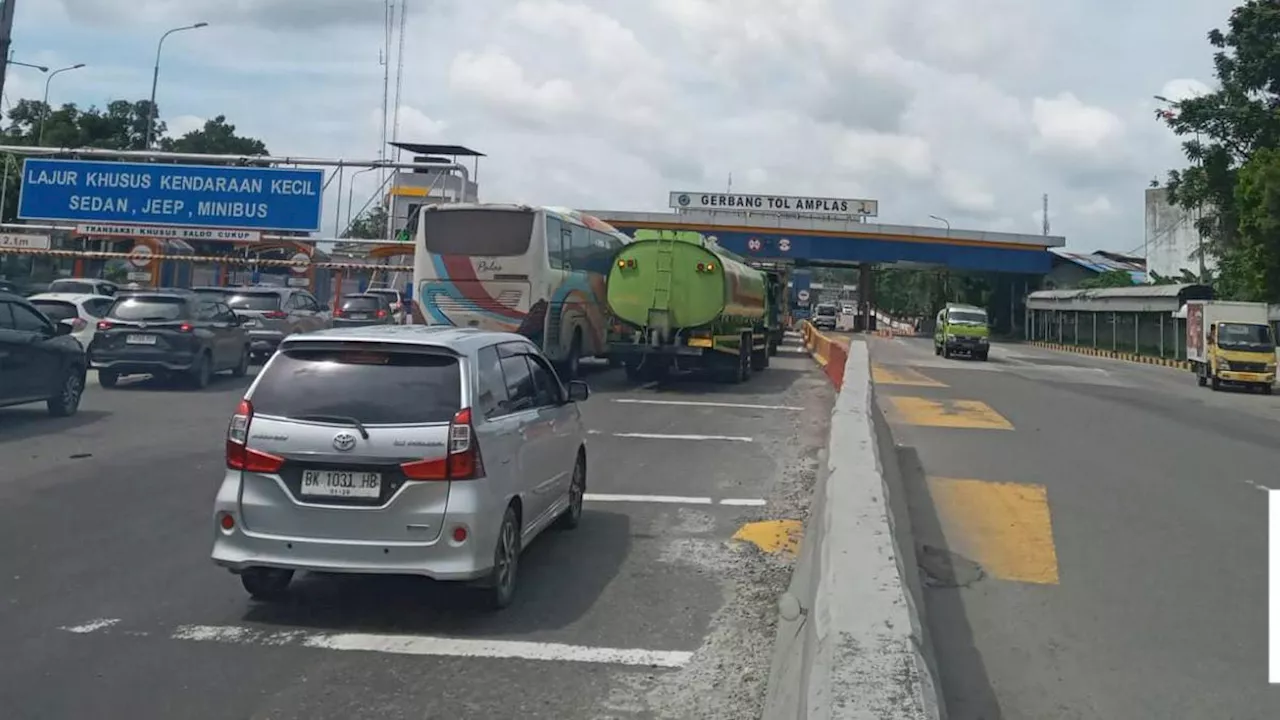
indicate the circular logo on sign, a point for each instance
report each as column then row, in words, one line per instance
column 753, row 243
column 140, row 255
column 344, row 441
column 683, row 201
column 803, row 295
column 299, row 262
column 784, row 244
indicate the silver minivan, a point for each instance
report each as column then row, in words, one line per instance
column 399, row 449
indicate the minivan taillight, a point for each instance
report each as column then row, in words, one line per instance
column 105, row 324
column 239, row 455
column 463, row 461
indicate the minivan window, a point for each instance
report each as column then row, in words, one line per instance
column 522, row 394
column 376, row 387
column 254, row 301
column 826, row 310
column 548, row 387
column 142, row 307
column 493, row 387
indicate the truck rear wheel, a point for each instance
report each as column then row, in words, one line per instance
column 759, row 358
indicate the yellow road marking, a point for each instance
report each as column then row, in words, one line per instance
column 949, row 413
column 1004, row 527
column 772, row 536
column 902, row 376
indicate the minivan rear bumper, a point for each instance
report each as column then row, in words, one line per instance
column 442, row 558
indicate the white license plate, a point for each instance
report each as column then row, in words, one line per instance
column 141, row 340
column 341, row 483
column 358, row 316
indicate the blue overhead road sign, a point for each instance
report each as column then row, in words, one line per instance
column 204, row 196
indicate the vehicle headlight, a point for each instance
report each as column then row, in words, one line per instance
column 982, row 340
column 950, row 337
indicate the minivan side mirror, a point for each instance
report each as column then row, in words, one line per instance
column 579, row 391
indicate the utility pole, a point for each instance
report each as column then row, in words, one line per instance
column 1044, row 210
column 6, row 38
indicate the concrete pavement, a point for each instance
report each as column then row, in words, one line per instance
column 1092, row 533
column 648, row 610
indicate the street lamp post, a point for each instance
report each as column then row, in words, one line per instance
column 942, row 220
column 45, row 112
column 155, row 77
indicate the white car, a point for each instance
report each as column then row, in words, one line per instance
column 83, row 286
column 81, row 311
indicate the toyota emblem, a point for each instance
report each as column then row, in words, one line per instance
column 344, row 441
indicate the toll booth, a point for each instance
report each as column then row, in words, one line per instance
column 151, row 262
column 300, row 272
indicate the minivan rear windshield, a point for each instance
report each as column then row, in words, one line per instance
column 376, row 387
column 361, row 303
column 254, row 301
column 826, row 310
column 153, row 309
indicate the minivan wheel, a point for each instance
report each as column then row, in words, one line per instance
column 242, row 367
column 266, row 583
column 108, row 378
column 202, row 373
column 577, row 490
column 506, row 562
column 67, row 400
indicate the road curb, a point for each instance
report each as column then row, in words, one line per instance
column 1113, row 354
column 850, row 641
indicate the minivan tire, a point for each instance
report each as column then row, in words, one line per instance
column 67, row 401
column 202, row 373
column 266, row 583
column 506, row 562
column 242, row 367
column 572, row 515
column 108, row 378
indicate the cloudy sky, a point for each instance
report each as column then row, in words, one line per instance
column 968, row 110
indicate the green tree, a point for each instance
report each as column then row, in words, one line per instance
column 370, row 225
column 1252, row 271
column 217, row 137
column 1223, row 130
column 1108, row 279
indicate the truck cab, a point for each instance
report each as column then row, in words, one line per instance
column 962, row 329
column 1229, row 342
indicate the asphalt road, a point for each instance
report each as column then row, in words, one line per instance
column 111, row 607
column 1092, row 533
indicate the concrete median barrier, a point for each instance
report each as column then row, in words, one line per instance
column 851, row 641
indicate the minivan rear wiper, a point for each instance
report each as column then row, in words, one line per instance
column 337, row 418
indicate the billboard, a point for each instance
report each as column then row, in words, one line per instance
column 203, row 196
column 775, row 204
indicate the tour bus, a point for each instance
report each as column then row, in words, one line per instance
column 537, row 271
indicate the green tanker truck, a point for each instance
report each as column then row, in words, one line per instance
column 685, row 303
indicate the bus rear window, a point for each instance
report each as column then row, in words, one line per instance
column 486, row 233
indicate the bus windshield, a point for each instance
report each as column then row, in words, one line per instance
column 481, row 232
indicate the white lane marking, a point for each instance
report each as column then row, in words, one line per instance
column 437, row 646
column 91, row 626
column 662, row 436
column 673, row 499
column 670, row 499
column 744, row 502
column 694, row 403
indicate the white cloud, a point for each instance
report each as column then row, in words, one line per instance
column 1099, row 205
column 183, row 124
column 1065, row 124
column 1183, row 89
column 497, row 82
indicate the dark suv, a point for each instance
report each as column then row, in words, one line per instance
column 364, row 309
column 39, row 360
column 167, row 334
